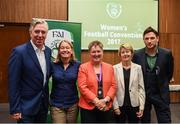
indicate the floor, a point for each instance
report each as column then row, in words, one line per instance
column 175, row 114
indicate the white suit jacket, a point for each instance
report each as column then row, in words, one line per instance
column 136, row 86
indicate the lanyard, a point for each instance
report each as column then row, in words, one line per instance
column 99, row 78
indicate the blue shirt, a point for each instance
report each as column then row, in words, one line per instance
column 64, row 89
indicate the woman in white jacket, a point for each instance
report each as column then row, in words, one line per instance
column 130, row 97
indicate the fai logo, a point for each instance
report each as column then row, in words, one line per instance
column 113, row 10
column 54, row 37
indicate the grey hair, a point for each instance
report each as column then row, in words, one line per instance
column 36, row 21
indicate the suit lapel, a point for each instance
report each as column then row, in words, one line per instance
column 47, row 56
column 105, row 74
column 121, row 74
column 91, row 68
column 132, row 71
column 143, row 59
column 158, row 62
column 33, row 55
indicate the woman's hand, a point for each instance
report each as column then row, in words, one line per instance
column 117, row 111
column 100, row 104
column 103, row 106
column 139, row 114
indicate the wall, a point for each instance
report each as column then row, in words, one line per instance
column 24, row 10
column 10, row 36
column 169, row 27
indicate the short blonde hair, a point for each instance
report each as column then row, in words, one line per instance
column 126, row 46
column 36, row 21
column 95, row 43
column 73, row 57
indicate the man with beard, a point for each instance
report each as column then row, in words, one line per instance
column 157, row 64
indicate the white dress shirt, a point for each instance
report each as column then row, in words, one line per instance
column 41, row 58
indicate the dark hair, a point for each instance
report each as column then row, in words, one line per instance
column 95, row 43
column 150, row 29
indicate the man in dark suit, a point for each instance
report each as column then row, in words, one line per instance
column 28, row 75
column 157, row 64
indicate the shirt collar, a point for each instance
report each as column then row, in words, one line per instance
column 157, row 51
column 71, row 62
column 35, row 48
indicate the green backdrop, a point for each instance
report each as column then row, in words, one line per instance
column 59, row 30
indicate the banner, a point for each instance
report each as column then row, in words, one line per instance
column 60, row 30
column 114, row 22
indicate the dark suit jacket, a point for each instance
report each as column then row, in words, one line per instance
column 164, row 65
column 25, row 78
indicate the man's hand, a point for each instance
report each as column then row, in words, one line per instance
column 16, row 116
